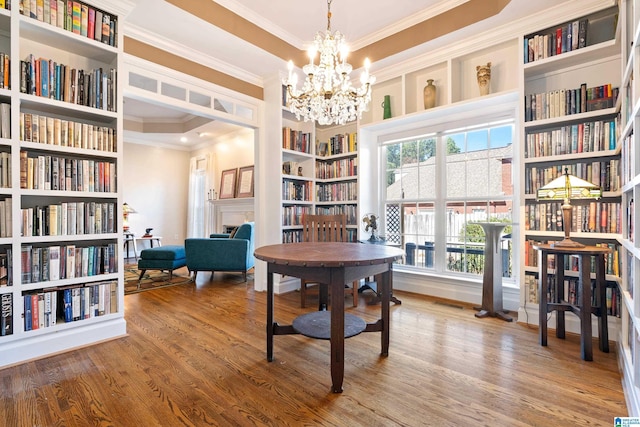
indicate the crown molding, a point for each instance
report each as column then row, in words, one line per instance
column 191, row 54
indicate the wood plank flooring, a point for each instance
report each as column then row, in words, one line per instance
column 195, row 356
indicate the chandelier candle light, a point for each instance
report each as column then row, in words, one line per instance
column 327, row 95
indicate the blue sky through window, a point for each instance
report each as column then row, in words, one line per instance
column 478, row 140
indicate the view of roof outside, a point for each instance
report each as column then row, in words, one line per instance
column 478, row 187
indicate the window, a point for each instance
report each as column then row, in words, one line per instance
column 198, row 208
column 438, row 185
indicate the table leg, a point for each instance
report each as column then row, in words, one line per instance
column 269, row 315
column 386, row 286
column 559, row 292
column 586, row 341
column 601, row 289
column 337, row 328
column 542, row 297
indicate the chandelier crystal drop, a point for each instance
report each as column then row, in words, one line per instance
column 327, row 95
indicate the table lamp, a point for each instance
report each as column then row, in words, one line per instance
column 568, row 187
column 126, row 210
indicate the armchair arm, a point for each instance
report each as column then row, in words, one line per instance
column 219, row 235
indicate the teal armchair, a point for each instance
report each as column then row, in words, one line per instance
column 222, row 252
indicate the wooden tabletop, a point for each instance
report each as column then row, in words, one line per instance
column 328, row 254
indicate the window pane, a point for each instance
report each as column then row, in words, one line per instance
column 465, row 241
column 394, row 186
column 419, row 233
column 456, row 178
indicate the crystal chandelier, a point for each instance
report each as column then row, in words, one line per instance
column 327, row 95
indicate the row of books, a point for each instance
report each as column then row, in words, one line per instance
column 77, row 17
column 630, row 273
column 599, row 135
column 296, row 140
column 631, row 219
column 594, row 217
column 5, row 120
column 45, row 172
column 605, row 174
column 612, row 259
column 66, row 133
column 564, row 38
column 50, row 263
column 337, row 191
column 6, row 218
column 564, row 102
column 297, row 190
column 628, row 153
column 46, row 78
column 46, row 309
column 5, row 169
column 291, row 168
column 350, row 211
column 5, row 71
column 69, row 219
column 340, row 168
column 571, row 293
column 295, row 236
column 338, row 144
column 292, row 236
column 6, row 266
column 6, row 314
column 292, row 215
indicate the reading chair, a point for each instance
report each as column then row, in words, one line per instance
column 325, row 228
column 222, row 252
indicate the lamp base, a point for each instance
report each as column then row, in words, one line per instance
column 567, row 243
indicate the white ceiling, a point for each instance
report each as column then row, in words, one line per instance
column 294, row 21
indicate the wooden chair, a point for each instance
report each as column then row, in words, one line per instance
column 325, row 228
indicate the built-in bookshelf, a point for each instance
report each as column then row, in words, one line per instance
column 297, row 194
column 629, row 338
column 61, row 274
column 337, row 174
column 571, row 122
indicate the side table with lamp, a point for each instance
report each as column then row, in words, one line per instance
column 566, row 188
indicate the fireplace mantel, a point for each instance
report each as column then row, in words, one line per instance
column 226, row 212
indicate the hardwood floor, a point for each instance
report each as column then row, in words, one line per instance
column 195, row 356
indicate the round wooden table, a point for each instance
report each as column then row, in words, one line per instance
column 334, row 264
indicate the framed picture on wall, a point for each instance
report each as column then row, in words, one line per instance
column 228, row 184
column 245, row 182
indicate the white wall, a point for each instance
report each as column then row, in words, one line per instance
column 156, row 184
column 230, row 151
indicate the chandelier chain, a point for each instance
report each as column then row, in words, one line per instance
column 329, row 14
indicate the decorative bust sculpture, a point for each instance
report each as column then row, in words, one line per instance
column 484, row 78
